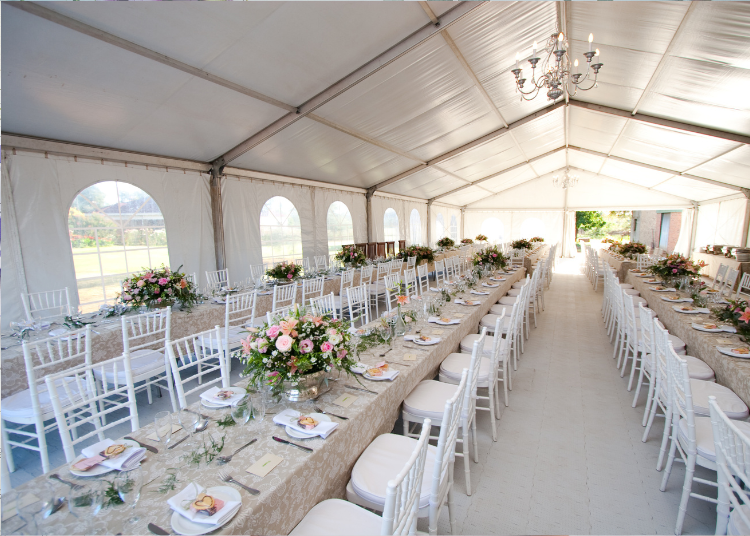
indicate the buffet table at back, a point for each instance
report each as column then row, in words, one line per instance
column 622, row 264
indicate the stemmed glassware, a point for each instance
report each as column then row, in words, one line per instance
column 163, row 426
column 86, row 500
column 241, row 412
column 259, row 401
column 128, row 485
column 188, row 421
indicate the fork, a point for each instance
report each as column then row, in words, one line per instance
column 319, row 410
column 225, row 477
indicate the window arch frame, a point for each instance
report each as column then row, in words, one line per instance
column 386, row 228
column 489, row 234
column 536, row 222
column 337, row 243
column 109, row 282
column 415, row 212
column 274, row 258
column 439, row 226
column 453, row 228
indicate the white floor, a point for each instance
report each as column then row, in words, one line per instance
column 569, row 457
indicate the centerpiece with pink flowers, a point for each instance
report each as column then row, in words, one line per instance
column 158, row 288
column 352, row 255
column 676, row 268
column 285, row 272
column 490, row 256
column 297, row 354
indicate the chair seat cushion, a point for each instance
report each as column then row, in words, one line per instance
column 637, row 300
column 467, row 344
column 519, row 284
column 626, row 286
column 428, row 398
column 728, row 401
column 514, row 292
column 697, row 369
column 677, row 343
column 507, row 300
column 453, row 366
column 500, row 308
column 142, row 363
column 631, row 292
column 386, row 456
column 489, row 322
column 737, row 525
column 337, row 517
column 17, row 407
column 704, row 435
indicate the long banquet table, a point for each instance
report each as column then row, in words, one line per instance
column 618, row 262
column 533, row 256
column 732, row 372
column 301, row 480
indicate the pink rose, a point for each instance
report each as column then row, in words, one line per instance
column 126, row 297
column 326, row 347
column 272, row 374
column 163, row 281
column 674, row 270
column 289, row 276
column 158, row 301
column 306, row 346
column 284, row 343
column 140, row 283
column 157, row 291
column 153, row 280
column 273, row 331
column 341, row 354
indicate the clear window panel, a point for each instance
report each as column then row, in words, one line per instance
column 86, row 265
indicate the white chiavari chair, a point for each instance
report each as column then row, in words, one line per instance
column 402, row 497
column 192, row 278
column 721, row 275
column 312, row 288
column 423, row 279
column 450, row 271
column 396, row 265
column 320, row 262
column 411, row 262
column 440, row 273
column 46, row 305
column 306, row 265
column 217, row 279
column 727, row 288
column 410, row 281
column 257, row 271
column 377, row 288
column 647, row 367
column 91, row 405
column 325, row 305
column 732, row 459
column 275, row 316
column 347, row 281
column 392, row 291
column 239, row 316
column 358, row 299
column 284, row 295
column 31, row 407
column 743, row 289
column 202, row 352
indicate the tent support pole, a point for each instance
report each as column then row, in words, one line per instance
column 368, row 197
column 463, row 228
column 746, row 221
column 694, row 229
column 429, row 222
column 217, row 215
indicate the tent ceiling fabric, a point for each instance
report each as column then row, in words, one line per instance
column 674, row 60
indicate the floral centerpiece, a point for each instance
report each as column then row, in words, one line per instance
column 481, row 238
column 159, row 288
column 631, row 249
column 537, row 239
column 467, row 241
column 521, row 243
column 351, row 254
column 422, row 253
column 614, row 247
column 297, row 353
column 609, row 240
column 676, row 266
column 284, row 271
column 490, row 256
column 737, row 313
column 446, row 242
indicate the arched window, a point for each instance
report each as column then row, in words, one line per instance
column 439, row 227
column 415, row 224
column 532, row 227
column 390, row 224
column 340, row 228
column 454, row 229
column 115, row 230
column 280, row 231
column 492, row 228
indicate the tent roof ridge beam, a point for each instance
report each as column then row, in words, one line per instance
column 669, row 123
column 472, row 144
column 352, row 79
column 664, row 57
column 91, row 31
column 657, row 168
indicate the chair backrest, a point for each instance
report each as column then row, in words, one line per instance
column 239, row 311
column 450, row 269
column 365, row 274
column 306, row 266
column 203, row 350
column 282, row 312
column 423, row 281
column 347, row 280
column 410, row 281
column 217, row 279
column 661, row 353
column 312, row 288
column 320, row 261
column 743, row 289
column 147, row 331
column 88, row 406
column 257, row 271
column 358, row 299
column 192, row 278
column 721, row 275
column 411, row 262
column 403, row 492
column 392, row 290
column 440, row 272
column 477, row 352
column 681, row 395
column 647, row 334
column 731, row 278
column 284, row 295
column 732, row 449
column 324, row 305
column 45, row 305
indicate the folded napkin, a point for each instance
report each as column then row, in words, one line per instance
column 480, row 292
column 289, row 417
column 412, row 337
column 219, row 300
column 125, row 461
column 450, row 282
column 436, row 289
column 497, row 279
column 210, row 396
column 180, row 503
column 461, row 302
column 687, row 300
column 490, row 285
column 389, row 375
column 436, row 318
column 696, row 310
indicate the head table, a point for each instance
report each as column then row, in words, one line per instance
column 302, row 479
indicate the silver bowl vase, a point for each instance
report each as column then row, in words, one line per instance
column 309, row 386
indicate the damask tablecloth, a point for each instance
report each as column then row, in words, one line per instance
column 621, row 264
column 301, row 480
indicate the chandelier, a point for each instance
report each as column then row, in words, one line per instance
column 566, row 181
column 556, row 70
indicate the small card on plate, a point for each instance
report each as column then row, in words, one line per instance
column 154, row 437
column 345, row 400
column 265, row 465
column 458, row 315
column 725, row 341
column 410, row 357
column 437, row 331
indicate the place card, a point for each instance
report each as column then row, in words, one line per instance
column 27, row 499
column 265, row 465
column 154, row 437
column 724, row 340
column 438, row 331
column 345, row 400
column 458, row 315
column 410, row 357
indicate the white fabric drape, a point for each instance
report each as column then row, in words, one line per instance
column 569, row 237
column 403, row 210
column 14, row 275
column 686, row 229
column 721, row 223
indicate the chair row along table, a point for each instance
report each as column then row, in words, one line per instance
column 302, row 479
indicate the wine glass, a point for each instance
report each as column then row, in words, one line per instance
column 163, row 426
column 387, row 334
column 241, row 413
column 32, row 507
column 259, row 403
column 128, row 485
column 86, row 499
column 188, row 421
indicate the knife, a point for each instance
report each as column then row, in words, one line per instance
column 156, row 529
column 170, row 447
column 308, row 449
column 147, row 447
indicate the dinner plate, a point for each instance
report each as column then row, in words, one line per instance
column 654, row 282
column 439, row 321
column 729, row 352
column 182, row 525
column 693, row 312
column 432, row 341
column 700, row 327
column 663, row 290
column 296, row 434
column 359, row 368
column 97, row 469
column 470, row 303
column 377, row 378
column 643, row 275
column 211, row 405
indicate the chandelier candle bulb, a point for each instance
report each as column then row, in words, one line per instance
column 533, row 50
column 591, row 41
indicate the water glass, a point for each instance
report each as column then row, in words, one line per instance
column 259, row 401
column 241, row 413
column 188, row 421
column 163, row 427
column 128, row 485
column 86, row 500
column 387, row 334
column 32, row 511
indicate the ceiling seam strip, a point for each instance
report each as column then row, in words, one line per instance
column 634, row 184
column 665, row 57
column 683, row 173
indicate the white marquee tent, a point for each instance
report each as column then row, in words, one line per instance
column 214, row 109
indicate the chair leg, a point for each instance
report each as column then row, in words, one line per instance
column 451, row 504
column 467, row 455
column 672, row 448
column 7, row 449
column 492, row 395
column 148, row 391
column 474, row 437
column 633, row 368
column 686, row 488
column 664, row 438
